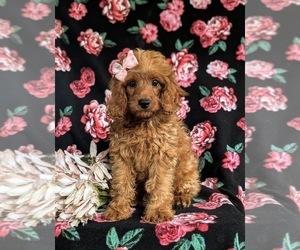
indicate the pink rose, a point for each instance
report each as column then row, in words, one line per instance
column 47, row 39
column 231, row 161
column 259, row 28
column 226, row 97
column 5, row 28
column 168, row 232
column 259, row 69
column 149, row 32
column 6, row 227
column 184, row 108
column 49, row 118
column 198, row 28
column 121, row 248
column 202, row 4
column 77, row 11
column 115, row 10
column 210, row 104
column 79, row 88
column 39, row 88
column 29, row 149
column 48, row 75
column 62, row 61
column 170, row 20
column 58, row 28
column 12, row 126
column 230, row 4
column 214, row 201
column 293, row 52
column 294, row 123
column 278, row 160
column 184, row 65
column 248, row 134
column 241, row 53
column 252, row 104
column 96, row 120
column 211, row 183
column 241, row 195
column 242, row 123
column 208, row 39
column 73, row 150
column 294, row 195
column 249, row 219
column 276, row 4
column 219, row 26
column 60, row 226
column 176, row 6
column 87, row 76
column 250, row 183
column 255, row 200
column 218, row 69
column 10, row 60
column 35, row 11
column 203, row 135
column 91, row 41
column 107, row 93
column 63, row 126
column 270, row 98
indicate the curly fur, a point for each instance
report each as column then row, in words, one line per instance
column 149, row 147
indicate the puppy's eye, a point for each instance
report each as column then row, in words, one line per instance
column 155, row 83
column 131, row 84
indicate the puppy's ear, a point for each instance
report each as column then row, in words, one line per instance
column 171, row 94
column 117, row 104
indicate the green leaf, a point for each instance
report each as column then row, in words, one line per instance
column 103, row 35
column 56, row 3
column 260, row 184
column 65, row 27
column 178, row 45
column 213, row 49
column 286, row 244
column 16, row 28
column 296, row 245
column 276, row 149
column 231, row 78
column 188, row 44
column 204, row 91
column 201, row 164
column 10, row 114
column 183, row 244
column 68, row 110
column 16, row 38
column 132, row 4
column 198, row 242
column 65, row 39
column 242, row 40
column 251, row 48
column 232, row 70
column 198, row 200
column 264, row 45
column 109, row 43
column 2, row 3
column 296, row 40
column 230, row 149
column 141, row 2
column 222, row 45
column 237, row 244
column 207, row 156
column 280, row 71
column 26, row 233
column 220, row 184
column 131, row 238
column 134, row 30
column 157, row 43
column 84, row 1
column 162, row 6
column 279, row 78
column 239, row 147
column 141, row 23
column 71, row 234
column 22, row 110
column 290, row 148
column 61, row 113
column 112, row 239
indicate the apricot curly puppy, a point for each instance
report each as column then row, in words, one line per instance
column 149, row 146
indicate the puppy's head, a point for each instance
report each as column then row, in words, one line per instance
column 148, row 88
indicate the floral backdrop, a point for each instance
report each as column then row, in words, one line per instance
column 272, row 200
column 204, row 43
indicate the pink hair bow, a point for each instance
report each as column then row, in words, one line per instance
column 119, row 70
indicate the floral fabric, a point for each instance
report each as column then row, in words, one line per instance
column 204, row 43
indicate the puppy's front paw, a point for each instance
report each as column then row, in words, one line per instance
column 183, row 200
column 112, row 214
column 158, row 216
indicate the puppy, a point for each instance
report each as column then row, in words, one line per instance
column 150, row 149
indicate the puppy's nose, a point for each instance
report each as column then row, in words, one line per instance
column 144, row 103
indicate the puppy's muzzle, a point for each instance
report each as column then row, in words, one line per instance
column 144, row 103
